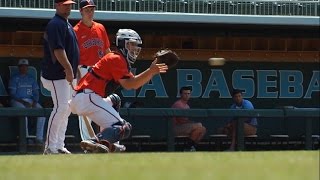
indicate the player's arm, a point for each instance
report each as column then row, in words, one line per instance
column 106, row 40
column 108, row 50
column 144, row 77
column 63, row 60
column 230, row 120
column 56, row 39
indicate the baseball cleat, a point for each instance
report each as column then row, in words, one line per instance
column 93, row 147
column 64, row 151
column 48, row 151
column 119, row 147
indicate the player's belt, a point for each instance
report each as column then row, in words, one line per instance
column 94, row 74
column 84, row 91
column 84, row 66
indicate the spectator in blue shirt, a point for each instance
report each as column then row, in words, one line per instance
column 24, row 92
column 250, row 124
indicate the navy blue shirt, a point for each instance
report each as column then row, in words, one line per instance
column 246, row 104
column 59, row 34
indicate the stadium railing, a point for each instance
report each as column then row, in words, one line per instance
column 167, row 113
column 236, row 7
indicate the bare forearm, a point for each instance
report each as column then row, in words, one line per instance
column 62, row 58
column 138, row 80
column 108, row 50
column 144, row 77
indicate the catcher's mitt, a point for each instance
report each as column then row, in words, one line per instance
column 168, row 57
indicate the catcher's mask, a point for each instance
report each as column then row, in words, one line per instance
column 129, row 43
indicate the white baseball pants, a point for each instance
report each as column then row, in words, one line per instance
column 61, row 93
column 98, row 109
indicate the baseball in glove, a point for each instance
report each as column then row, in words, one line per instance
column 167, row 56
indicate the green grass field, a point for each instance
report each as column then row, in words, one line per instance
column 293, row 165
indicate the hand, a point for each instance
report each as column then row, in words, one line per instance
column 69, row 75
column 167, row 56
column 158, row 68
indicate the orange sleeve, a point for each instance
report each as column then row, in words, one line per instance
column 120, row 69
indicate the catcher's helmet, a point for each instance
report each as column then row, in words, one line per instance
column 129, row 43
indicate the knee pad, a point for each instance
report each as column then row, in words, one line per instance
column 116, row 101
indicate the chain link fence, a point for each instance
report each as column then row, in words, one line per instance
column 236, row 7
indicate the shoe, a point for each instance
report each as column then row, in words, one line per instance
column 119, row 147
column 110, row 146
column 64, row 151
column 48, row 151
column 93, row 147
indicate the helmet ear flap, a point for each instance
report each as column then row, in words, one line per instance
column 120, row 42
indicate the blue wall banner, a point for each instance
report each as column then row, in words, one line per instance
column 267, row 85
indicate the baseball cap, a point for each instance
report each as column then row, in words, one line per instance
column 86, row 3
column 23, row 62
column 65, row 1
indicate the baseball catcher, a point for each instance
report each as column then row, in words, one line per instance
column 113, row 67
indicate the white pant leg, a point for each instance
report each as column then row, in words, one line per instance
column 96, row 108
column 60, row 93
column 15, row 103
column 84, row 132
column 104, row 114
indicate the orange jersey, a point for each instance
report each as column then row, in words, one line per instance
column 93, row 42
column 112, row 67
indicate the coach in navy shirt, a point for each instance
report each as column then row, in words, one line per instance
column 59, row 68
